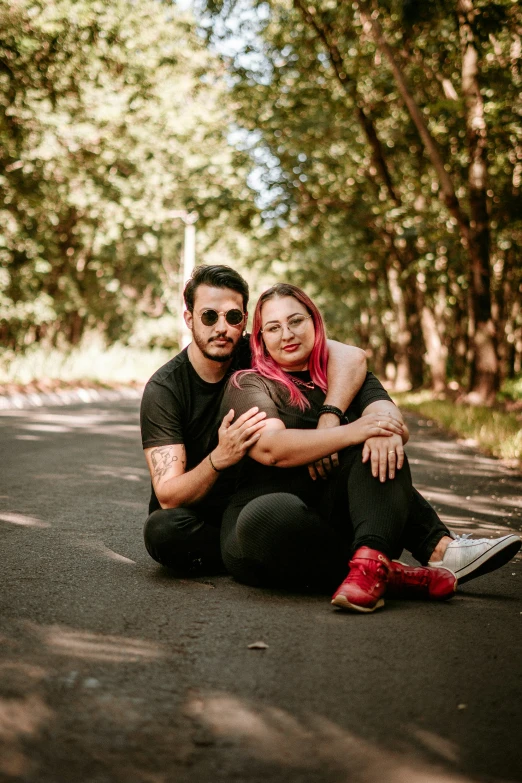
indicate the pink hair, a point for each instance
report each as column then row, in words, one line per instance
column 262, row 362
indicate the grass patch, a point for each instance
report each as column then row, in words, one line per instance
column 496, row 432
column 511, row 389
column 92, row 362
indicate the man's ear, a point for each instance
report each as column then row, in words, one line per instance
column 189, row 318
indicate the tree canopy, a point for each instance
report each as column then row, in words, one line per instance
column 388, row 142
column 112, row 116
column 371, row 151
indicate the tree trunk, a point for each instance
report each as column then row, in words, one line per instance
column 484, row 376
column 436, row 352
column 402, row 340
column 484, row 380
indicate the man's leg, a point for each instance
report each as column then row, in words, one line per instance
column 180, row 539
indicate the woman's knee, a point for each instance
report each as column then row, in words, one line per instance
column 270, row 516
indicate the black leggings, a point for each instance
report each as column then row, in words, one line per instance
column 278, row 538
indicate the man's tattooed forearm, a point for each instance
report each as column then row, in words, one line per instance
column 162, row 460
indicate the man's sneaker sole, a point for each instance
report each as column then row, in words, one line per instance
column 344, row 603
column 488, row 561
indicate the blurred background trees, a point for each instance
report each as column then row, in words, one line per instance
column 111, row 117
column 370, row 152
column 387, row 137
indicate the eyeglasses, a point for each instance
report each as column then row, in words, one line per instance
column 233, row 317
column 296, row 324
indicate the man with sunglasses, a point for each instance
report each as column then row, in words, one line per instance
column 187, row 446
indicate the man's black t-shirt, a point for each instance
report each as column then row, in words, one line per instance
column 179, row 407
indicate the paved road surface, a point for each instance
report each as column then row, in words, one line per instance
column 113, row 671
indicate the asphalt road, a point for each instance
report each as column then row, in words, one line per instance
column 114, row 671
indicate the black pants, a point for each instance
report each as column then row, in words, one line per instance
column 279, row 538
column 185, row 539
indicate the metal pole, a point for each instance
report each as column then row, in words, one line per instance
column 189, row 261
column 189, row 253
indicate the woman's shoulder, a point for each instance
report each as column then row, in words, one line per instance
column 250, row 379
column 248, row 389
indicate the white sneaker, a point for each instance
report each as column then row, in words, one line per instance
column 471, row 557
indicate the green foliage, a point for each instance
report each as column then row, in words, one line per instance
column 512, row 389
column 92, row 361
column 306, row 81
column 111, row 116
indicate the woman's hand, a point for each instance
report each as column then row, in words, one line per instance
column 387, row 455
column 373, row 425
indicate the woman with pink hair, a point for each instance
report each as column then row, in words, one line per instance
column 283, row 527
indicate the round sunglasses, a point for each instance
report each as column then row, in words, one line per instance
column 233, row 317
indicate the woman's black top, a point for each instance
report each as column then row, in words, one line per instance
column 255, row 479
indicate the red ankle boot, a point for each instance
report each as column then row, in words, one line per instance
column 363, row 588
column 430, row 584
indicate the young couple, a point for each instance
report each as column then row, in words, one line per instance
column 280, row 456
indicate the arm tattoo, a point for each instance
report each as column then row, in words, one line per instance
column 162, row 460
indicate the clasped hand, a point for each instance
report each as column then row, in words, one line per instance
column 381, row 434
column 235, row 439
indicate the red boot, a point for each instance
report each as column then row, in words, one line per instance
column 363, row 588
column 430, row 584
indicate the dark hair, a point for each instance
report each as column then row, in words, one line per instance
column 217, row 276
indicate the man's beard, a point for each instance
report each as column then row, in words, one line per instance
column 203, row 346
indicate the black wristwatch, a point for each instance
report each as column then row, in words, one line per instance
column 336, row 411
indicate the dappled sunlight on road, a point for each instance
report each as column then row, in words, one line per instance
column 274, row 735
column 445, row 462
column 124, row 473
column 476, row 504
column 81, row 729
column 101, row 646
column 471, row 492
column 92, row 422
column 444, row 748
column 93, row 473
column 99, row 548
column 22, row 519
column 23, row 715
column 46, row 427
column 96, row 646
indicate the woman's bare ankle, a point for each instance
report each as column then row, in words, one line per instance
column 440, row 549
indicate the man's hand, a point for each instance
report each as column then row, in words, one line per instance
column 325, row 465
column 386, row 454
column 235, row 439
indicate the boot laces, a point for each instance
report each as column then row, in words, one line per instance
column 370, row 575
